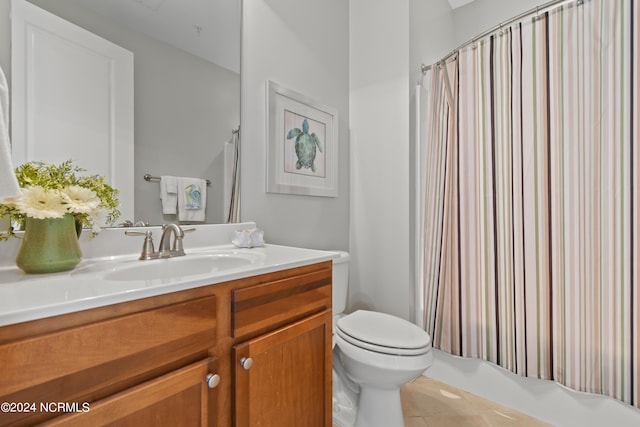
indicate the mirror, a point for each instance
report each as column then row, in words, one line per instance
column 186, row 89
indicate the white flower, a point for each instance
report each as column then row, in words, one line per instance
column 98, row 219
column 41, row 203
column 79, row 199
column 10, row 200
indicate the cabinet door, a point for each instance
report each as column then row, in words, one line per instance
column 180, row 398
column 287, row 382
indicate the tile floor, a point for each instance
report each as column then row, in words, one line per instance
column 430, row 403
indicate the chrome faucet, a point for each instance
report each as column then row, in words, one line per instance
column 176, row 249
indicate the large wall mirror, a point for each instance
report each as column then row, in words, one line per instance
column 186, row 90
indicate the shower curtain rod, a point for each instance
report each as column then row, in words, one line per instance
column 553, row 4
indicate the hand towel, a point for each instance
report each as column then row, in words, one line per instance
column 8, row 183
column 192, row 199
column 169, row 194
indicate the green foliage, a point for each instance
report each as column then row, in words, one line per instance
column 58, row 177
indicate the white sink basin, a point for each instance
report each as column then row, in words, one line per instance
column 169, row 268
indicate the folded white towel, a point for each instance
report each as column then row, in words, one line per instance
column 169, row 194
column 248, row 238
column 192, row 199
column 8, row 183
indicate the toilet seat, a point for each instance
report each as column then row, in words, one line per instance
column 383, row 333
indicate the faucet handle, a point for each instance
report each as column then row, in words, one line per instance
column 148, row 250
column 178, row 248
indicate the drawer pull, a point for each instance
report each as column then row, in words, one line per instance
column 246, row 363
column 213, row 380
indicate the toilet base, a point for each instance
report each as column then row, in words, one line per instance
column 379, row 408
column 345, row 397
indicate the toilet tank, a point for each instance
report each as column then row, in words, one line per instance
column 340, row 282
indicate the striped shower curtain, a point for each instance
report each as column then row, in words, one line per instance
column 531, row 233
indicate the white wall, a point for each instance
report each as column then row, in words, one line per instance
column 384, row 68
column 5, row 61
column 389, row 40
column 5, row 39
column 379, row 105
column 301, row 45
column 431, row 34
column 482, row 15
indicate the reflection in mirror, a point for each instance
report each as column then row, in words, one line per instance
column 186, row 90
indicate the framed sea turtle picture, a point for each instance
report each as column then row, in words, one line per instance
column 302, row 144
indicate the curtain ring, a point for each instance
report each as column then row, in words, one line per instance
column 536, row 17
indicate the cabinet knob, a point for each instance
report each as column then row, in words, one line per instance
column 246, row 363
column 213, row 380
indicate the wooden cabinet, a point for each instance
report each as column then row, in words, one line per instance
column 84, row 357
column 283, row 378
column 143, row 361
column 180, row 398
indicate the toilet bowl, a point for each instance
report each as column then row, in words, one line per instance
column 374, row 354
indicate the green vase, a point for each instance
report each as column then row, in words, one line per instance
column 49, row 245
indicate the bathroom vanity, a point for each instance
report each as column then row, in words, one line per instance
column 245, row 347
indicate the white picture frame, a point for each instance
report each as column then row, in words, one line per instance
column 302, row 144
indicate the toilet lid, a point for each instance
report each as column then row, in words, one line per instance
column 383, row 333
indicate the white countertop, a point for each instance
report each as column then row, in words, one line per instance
column 25, row 297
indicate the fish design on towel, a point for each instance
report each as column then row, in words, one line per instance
column 192, row 197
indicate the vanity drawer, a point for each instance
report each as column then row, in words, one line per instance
column 89, row 361
column 265, row 306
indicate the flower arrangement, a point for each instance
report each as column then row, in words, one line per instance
column 51, row 191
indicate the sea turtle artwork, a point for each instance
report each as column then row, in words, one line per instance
column 305, row 146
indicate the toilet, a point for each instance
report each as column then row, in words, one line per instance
column 373, row 355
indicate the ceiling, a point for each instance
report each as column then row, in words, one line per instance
column 457, row 3
column 207, row 28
